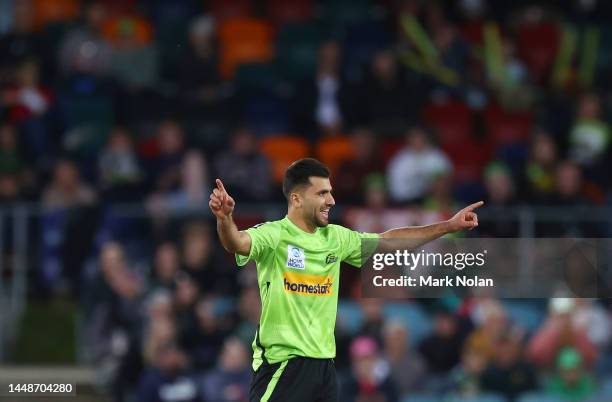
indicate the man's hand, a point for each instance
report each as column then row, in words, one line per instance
column 464, row 219
column 221, row 204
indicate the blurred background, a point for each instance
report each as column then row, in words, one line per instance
column 117, row 115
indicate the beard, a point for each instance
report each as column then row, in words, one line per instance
column 319, row 221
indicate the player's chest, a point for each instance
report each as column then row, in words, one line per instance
column 312, row 258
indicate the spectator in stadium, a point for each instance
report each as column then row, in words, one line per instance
column 590, row 136
column 370, row 379
column 569, row 186
column 160, row 305
column 569, row 192
column 499, row 184
column 322, row 103
column 440, row 198
column 21, row 42
column 198, row 77
column 413, row 169
column 350, row 179
column 590, row 316
column 373, row 319
column 190, row 195
column 408, row 370
column 508, row 374
column 83, row 50
column 27, row 103
column 377, row 216
column 572, row 381
column 203, row 262
column 558, row 332
column 18, row 180
column 249, row 311
column 453, row 51
column 229, row 381
column 158, row 332
column 66, row 189
column 169, row 380
column 28, row 99
column 9, row 188
column 442, row 348
column 10, row 158
column 120, row 171
column 244, row 169
column 165, row 266
column 501, row 193
column 115, row 317
column 539, row 173
column 167, row 152
column 385, row 104
column 465, row 379
column 492, row 325
column 135, row 58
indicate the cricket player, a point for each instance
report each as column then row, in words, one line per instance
column 298, row 269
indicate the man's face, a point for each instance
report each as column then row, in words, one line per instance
column 317, row 200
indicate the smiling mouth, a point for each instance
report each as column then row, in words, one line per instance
column 325, row 213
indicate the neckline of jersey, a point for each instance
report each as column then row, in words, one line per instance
column 299, row 228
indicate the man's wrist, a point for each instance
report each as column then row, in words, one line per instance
column 448, row 227
column 224, row 219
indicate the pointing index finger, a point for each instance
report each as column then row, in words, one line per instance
column 474, row 206
column 220, row 185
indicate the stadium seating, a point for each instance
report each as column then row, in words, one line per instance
column 452, row 121
column 55, row 11
column 333, row 151
column 258, row 78
column 506, row 127
column 243, row 40
column 349, row 317
column 226, row 9
column 282, row 150
column 361, row 41
column 140, row 30
column 412, row 314
column 297, row 47
column 538, row 397
column 341, row 13
column 528, row 315
column 289, row 11
column 266, row 115
column 537, row 46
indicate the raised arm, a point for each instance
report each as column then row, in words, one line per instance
column 222, row 206
column 416, row 236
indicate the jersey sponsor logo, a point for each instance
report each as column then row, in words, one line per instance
column 331, row 258
column 308, row 285
column 296, row 258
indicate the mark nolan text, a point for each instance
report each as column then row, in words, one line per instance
column 430, row 281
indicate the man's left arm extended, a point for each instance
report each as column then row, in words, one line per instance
column 415, row 236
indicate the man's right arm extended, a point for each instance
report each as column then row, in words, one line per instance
column 222, row 206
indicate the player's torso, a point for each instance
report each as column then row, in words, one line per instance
column 299, row 285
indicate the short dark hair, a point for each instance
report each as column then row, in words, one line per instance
column 299, row 172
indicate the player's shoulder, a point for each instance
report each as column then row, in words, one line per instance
column 334, row 228
column 268, row 225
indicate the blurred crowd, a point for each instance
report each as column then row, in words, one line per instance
column 416, row 106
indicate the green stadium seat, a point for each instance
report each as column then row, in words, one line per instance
column 297, row 47
column 258, row 77
column 340, row 13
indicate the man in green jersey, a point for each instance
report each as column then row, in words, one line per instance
column 298, row 269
